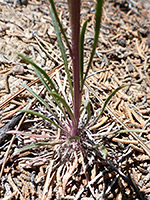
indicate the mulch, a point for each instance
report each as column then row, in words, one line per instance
column 68, row 170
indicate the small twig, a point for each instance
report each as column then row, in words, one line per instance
column 110, row 187
column 11, row 196
column 89, row 183
column 9, row 126
column 12, row 113
column 87, row 179
column 45, row 190
column 6, row 81
column 69, row 172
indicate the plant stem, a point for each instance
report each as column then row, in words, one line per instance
column 75, row 27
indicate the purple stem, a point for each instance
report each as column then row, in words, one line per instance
column 75, row 27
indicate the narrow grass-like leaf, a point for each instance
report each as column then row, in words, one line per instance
column 67, row 107
column 43, row 117
column 108, row 98
column 37, row 97
column 37, row 145
column 104, row 150
column 82, row 50
column 105, row 104
column 42, row 80
column 42, row 72
column 49, row 90
column 87, row 106
column 98, row 15
column 60, row 25
column 61, row 46
column 43, row 102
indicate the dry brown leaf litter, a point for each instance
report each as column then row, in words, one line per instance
column 122, row 56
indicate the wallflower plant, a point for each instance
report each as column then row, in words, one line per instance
column 71, row 126
column 73, row 129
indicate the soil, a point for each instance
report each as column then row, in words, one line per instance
column 63, row 170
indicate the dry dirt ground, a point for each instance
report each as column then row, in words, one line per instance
column 122, row 57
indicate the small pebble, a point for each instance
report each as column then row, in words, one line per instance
column 18, row 69
column 122, row 42
column 147, row 43
column 20, row 3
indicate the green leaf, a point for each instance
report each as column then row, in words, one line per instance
column 44, row 103
column 65, row 105
column 87, row 106
column 37, row 145
column 53, row 9
column 61, row 46
column 47, row 87
column 82, row 50
column 98, row 16
column 106, row 102
column 37, row 97
column 86, row 103
column 43, row 117
column 104, row 150
column 42, row 72
column 42, row 79
column 109, row 97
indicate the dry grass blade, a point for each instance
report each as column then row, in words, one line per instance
column 47, row 48
column 15, row 188
column 69, row 172
column 46, row 185
column 11, row 196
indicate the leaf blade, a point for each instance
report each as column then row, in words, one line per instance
column 82, row 35
column 41, row 71
column 98, row 15
column 36, row 145
column 60, row 25
column 43, row 117
column 108, row 99
column 65, row 104
column 61, row 46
